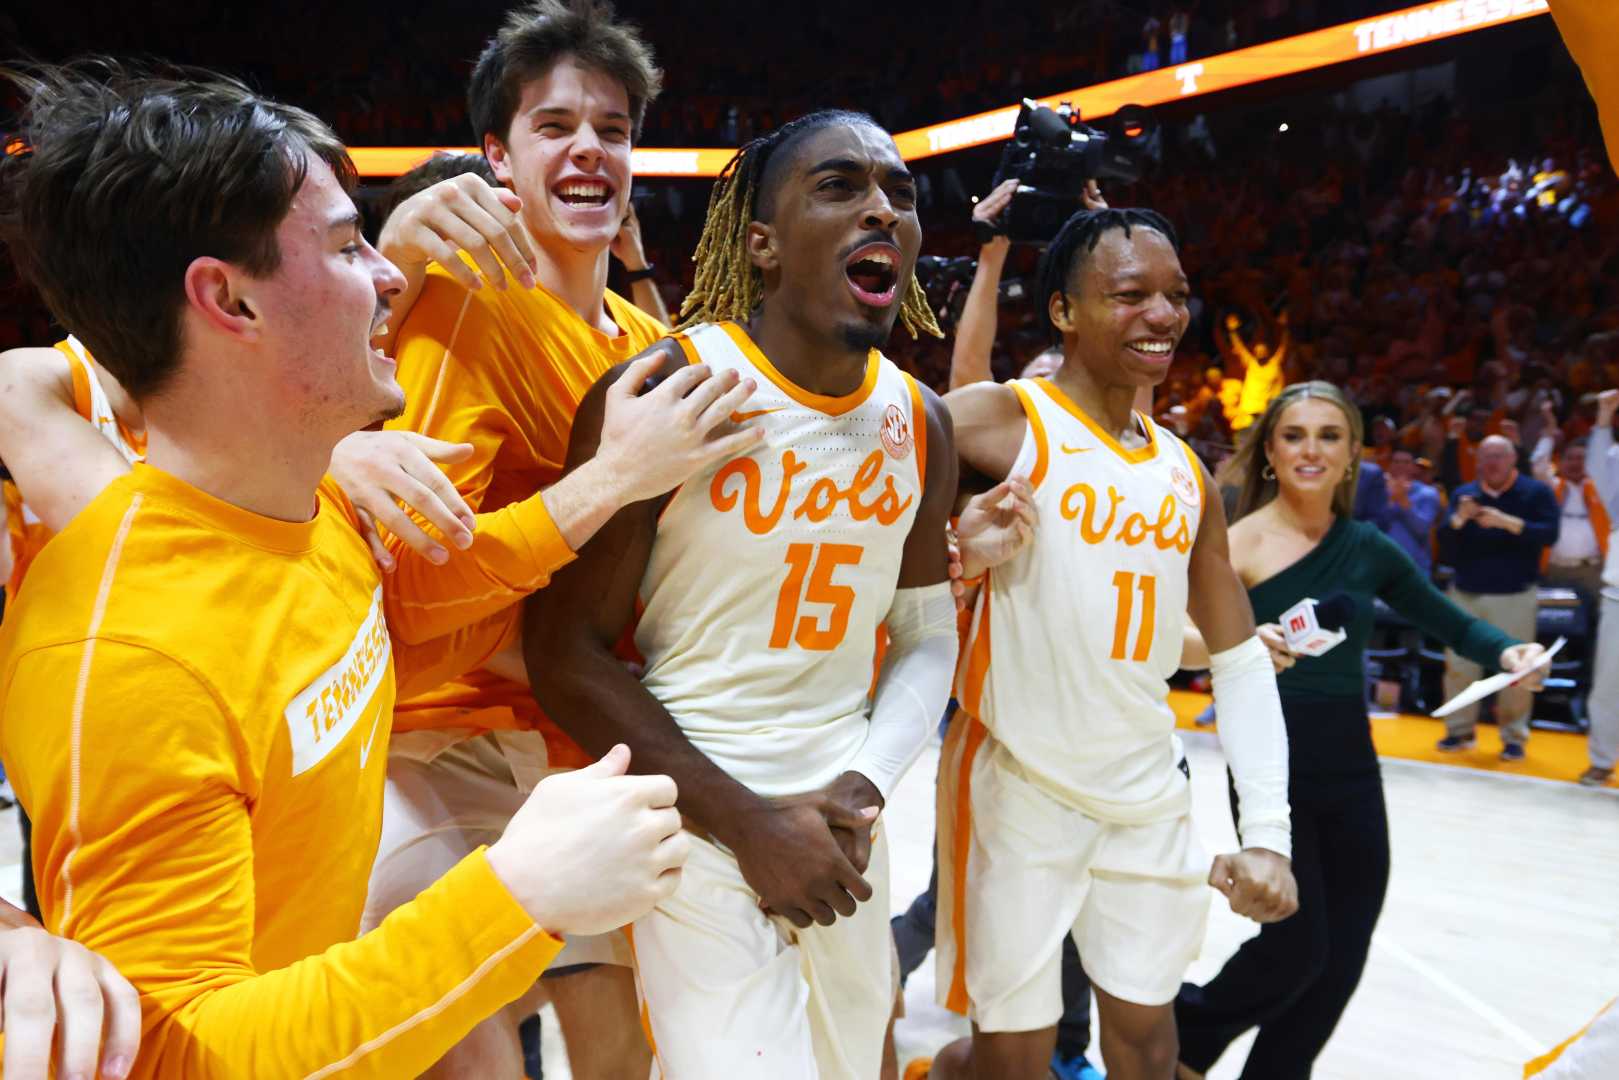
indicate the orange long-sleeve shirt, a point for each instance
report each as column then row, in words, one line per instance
column 1592, row 38
column 196, row 702
column 503, row 370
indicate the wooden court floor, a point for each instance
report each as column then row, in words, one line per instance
column 1499, row 937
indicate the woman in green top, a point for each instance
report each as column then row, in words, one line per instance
column 1293, row 537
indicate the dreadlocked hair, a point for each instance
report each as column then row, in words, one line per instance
column 726, row 285
column 1084, row 231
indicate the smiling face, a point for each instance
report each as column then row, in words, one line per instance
column 319, row 309
column 1125, row 308
column 835, row 234
column 567, row 155
column 1311, row 447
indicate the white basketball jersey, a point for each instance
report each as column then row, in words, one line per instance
column 100, row 408
column 1073, row 639
column 772, row 572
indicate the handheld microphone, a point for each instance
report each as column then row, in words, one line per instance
column 1337, row 611
column 1311, row 628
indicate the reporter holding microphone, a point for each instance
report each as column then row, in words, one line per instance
column 1294, row 536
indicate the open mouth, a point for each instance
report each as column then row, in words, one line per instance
column 1310, row 472
column 1155, row 349
column 584, row 193
column 873, row 273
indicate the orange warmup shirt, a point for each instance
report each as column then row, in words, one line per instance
column 196, row 703
column 504, row 371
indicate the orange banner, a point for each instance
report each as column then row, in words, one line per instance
column 1273, row 60
column 1211, row 74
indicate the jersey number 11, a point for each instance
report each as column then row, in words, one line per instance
column 1126, row 583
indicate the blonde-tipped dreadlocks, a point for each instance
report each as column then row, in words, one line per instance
column 727, row 285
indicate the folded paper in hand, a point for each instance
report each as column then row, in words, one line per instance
column 1483, row 688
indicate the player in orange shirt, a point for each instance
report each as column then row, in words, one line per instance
column 557, row 99
column 202, row 654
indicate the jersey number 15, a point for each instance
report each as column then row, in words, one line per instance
column 807, row 631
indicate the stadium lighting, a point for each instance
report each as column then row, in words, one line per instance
column 1211, row 74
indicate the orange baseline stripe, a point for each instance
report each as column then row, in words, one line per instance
column 80, row 690
column 1330, row 45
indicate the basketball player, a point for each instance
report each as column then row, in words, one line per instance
column 202, row 654
column 1063, row 802
column 760, row 586
column 557, row 99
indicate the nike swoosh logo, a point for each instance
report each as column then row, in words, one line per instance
column 1076, row 449
column 365, row 747
column 738, row 417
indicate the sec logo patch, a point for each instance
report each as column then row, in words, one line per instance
column 896, row 434
column 1185, row 487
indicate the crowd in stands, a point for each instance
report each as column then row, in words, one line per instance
column 721, row 87
column 1436, row 262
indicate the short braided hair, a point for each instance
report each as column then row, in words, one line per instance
column 727, row 285
column 1084, row 231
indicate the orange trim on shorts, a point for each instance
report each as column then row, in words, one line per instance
column 1042, row 451
column 972, row 683
column 646, row 1016
column 956, row 1001
column 919, row 424
column 831, row 406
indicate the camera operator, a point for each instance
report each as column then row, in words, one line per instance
column 975, row 330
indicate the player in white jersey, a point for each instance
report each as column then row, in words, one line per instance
column 1064, row 800
column 761, row 585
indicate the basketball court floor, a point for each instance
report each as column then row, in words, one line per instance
column 1500, row 936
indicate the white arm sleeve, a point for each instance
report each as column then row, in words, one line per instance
column 914, row 686
column 1255, row 742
